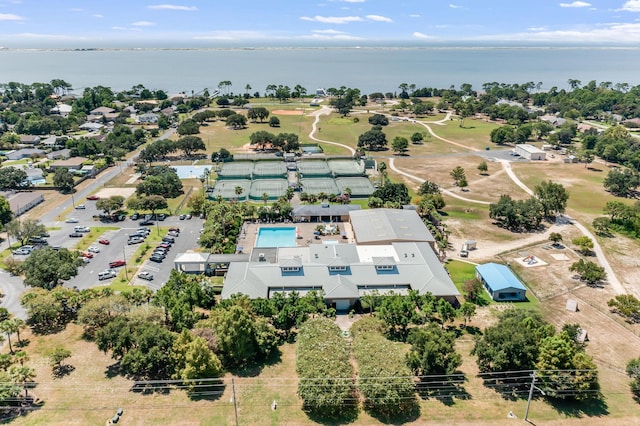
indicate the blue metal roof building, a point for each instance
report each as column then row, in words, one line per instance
column 501, row 283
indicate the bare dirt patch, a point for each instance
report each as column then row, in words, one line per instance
column 109, row 192
column 287, row 112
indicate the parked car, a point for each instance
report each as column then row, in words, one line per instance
column 20, row 252
column 82, row 229
column 76, row 235
column 144, row 230
column 135, row 240
column 93, row 197
column 104, row 242
column 56, row 247
column 162, row 217
column 93, row 249
column 72, row 220
column 168, row 240
column 156, row 258
column 145, row 223
column 106, row 274
column 182, row 217
column 145, row 276
column 38, row 240
column 188, row 217
column 138, row 234
column 174, row 229
column 81, row 207
column 173, row 234
column 87, row 255
column 135, row 216
column 165, row 245
column 117, row 263
column 85, row 259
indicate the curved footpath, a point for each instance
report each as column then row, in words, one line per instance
column 325, row 110
column 612, row 279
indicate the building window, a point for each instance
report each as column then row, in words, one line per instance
column 385, row 267
column 290, row 268
column 337, row 268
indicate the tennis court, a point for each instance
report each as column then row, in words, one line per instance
column 316, row 186
column 309, row 168
column 269, row 170
column 361, row 187
column 274, row 188
column 227, row 189
column 346, row 167
column 236, row 170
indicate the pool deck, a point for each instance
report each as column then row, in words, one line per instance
column 249, row 233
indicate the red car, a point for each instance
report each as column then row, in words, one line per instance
column 93, row 197
column 117, row 263
column 104, row 241
column 87, row 255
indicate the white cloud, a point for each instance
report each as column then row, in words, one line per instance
column 631, row 6
column 232, row 35
column 343, row 37
column 49, row 36
column 11, row 17
column 328, row 32
column 118, row 28
column 575, row 4
column 172, row 7
column 454, row 6
column 536, row 29
column 143, row 24
column 332, row 19
column 624, row 33
column 97, row 15
column 378, row 18
column 414, row 15
column 420, row 35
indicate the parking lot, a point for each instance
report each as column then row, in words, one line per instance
column 118, row 249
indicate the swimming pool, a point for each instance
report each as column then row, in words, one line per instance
column 276, row 237
column 190, row 172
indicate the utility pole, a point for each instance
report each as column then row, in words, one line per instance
column 235, row 405
column 533, row 386
column 126, row 273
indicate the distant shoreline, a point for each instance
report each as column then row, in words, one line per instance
column 267, row 48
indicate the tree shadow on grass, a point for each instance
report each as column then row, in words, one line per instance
column 62, row 371
column 19, row 408
column 112, row 370
column 211, row 390
column 510, row 388
column 592, row 407
column 255, row 368
column 444, row 389
column 406, row 412
column 348, row 414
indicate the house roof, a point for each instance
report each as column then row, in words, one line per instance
column 499, row 277
column 69, row 162
column 416, row 267
column 529, row 148
column 317, row 210
column 372, row 225
column 102, row 110
column 191, row 257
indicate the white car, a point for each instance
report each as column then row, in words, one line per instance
column 145, row 276
column 93, row 249
column 72, row 220
column 81, row 207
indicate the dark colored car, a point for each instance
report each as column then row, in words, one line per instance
column 117, row 263
column 169, row 240
column 93, row 197
column 162, row 217
column 76, row 235
column 174, row 229
column 135, row 216
column 156, row 258
column 145, row 223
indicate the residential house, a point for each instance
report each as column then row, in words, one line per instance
column 32, row 140
column 501, row 283
column 74, row 163
column 59, row 155
column 25, row 153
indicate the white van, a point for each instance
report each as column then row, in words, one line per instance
column 81, row 229
column 105, row 275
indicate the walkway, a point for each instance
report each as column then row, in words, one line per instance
column 612, row 279
column 325, row 110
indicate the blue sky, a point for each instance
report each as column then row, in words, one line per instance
column 322, row 22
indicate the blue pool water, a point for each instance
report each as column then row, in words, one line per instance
column 190, row 172
column 276, row 237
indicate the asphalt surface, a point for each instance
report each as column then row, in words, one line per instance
column 12, row 287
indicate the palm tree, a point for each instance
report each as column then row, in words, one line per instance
column 265, row 198
column 8, row 328
column 238, row 190
column 21, row 357
column 382, row 168
column 247, row 88
column 22, row 375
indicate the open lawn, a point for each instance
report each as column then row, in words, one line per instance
column 475, row 134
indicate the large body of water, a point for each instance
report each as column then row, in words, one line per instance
column 369, row 69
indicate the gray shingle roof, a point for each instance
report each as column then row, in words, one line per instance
column 370, row 226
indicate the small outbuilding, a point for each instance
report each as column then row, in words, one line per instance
column 530, row 152
column 501, row 283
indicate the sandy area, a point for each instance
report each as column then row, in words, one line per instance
column 287, row 112
column 108, row 192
